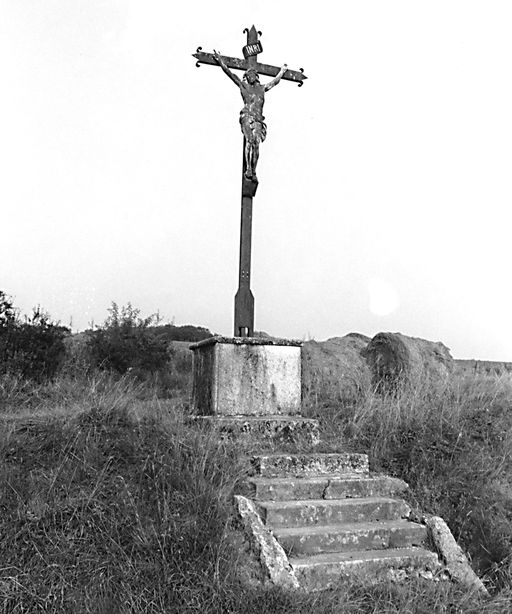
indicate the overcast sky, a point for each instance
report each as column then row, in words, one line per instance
column 385, row 191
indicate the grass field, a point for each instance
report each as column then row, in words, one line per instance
column 111, row 503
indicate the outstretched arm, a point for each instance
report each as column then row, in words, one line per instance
column 236, row 80
column 276, row 79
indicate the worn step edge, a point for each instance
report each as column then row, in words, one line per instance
column 324, row 487
column 357, row 536
column 297, row 465
column 358, row 557
column 325, row 570
column 331, row 511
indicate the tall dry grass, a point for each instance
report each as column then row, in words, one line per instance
column 112, row 506
column 112, row 503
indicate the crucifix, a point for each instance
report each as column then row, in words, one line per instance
column 254, row 131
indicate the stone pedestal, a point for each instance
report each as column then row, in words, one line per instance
column 249, row 388
column 247, row 376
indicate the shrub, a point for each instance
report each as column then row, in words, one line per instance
column 126, row 343
column 7, row 311
column 32, row 348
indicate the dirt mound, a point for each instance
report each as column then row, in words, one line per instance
column 396, row 360
column 335, row 371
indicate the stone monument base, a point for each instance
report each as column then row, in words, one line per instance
column 261, row 429
column 247, row 376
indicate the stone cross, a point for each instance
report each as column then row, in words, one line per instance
column 254, row 130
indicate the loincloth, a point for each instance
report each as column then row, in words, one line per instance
column 253, row 126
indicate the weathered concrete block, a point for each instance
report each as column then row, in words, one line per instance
column 247, row 376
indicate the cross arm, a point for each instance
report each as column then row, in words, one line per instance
column 289, row 75
column 209, row 58
column 297, row 76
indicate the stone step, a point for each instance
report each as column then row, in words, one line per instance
column 323, row 487
column 351, row 536
column 305, row 465
column 335, row 511
column 326, row 570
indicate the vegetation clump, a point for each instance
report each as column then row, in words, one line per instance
column 125, row 342
column 31, row 347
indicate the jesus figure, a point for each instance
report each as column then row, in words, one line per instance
column 251, row 116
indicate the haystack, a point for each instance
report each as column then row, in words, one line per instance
column 396, row 360
column 335, row 371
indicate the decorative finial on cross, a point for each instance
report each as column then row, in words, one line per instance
column 253, row 47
